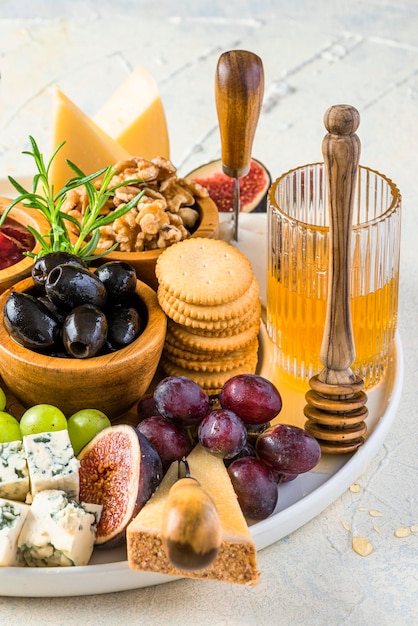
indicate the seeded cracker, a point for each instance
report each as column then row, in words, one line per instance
column 204, row 271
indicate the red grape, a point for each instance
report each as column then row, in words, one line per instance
column 288, row 449
column 222, row 433
column 146, row 407
column 253, row 398
column 181, row 399
column 171, row 443
column 255, row 487
column 248, row 450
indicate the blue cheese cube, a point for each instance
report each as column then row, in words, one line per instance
column 12, row 517
column 58, row 531
column 14, row 475
column 52, row 463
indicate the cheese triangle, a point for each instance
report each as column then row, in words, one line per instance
column 134, row 117
column 236, row 559
column 87, row 145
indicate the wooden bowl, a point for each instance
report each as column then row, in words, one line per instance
column 112, row 383
column 17, row 272
column 144, row 262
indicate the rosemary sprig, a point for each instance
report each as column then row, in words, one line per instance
column 43, row 198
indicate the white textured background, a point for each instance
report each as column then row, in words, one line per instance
column 315, row 54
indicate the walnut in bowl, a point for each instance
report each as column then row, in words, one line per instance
column 171, row 209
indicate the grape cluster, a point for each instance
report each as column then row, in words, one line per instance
column 236, row 426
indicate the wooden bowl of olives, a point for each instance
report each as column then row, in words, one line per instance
column 112, row 379
column 144, row 262
column 15, row 239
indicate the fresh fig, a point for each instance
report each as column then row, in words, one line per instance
column 120, row 470
column 253, row 187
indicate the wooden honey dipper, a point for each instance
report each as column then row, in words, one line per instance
column 336, row 401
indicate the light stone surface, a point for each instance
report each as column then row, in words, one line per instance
column 315, row 54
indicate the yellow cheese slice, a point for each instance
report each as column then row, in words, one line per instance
column 236, row 561
column 134, row 116
column 87, row 145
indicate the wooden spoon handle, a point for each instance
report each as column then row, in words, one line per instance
column 341, row 152
column 239, row 89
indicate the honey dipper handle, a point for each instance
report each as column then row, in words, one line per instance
column 239, row 90
column 341, row 152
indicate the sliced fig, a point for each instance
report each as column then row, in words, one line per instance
column 253, row 187
column 120, row 470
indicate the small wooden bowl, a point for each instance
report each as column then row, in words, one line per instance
column 144, row 262
column 27, row 217
column 112, row 383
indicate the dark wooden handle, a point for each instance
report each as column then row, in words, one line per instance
column 341, row 151
column 239, row 90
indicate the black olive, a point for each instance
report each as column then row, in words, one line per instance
column 118, row 277
column 84, row 331
column 30, row 323
column 56, row 311
column 69, row 286
column 44, row 264
column 124, row 326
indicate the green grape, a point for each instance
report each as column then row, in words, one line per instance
column 2, row 400
column 9, row 428
column 83, row 425
column 42, row 418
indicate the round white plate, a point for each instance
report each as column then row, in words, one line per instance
column 299, row 501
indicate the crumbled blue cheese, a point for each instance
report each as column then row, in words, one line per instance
column 12, row 517
column 52, row 463
column 58, row 531
column 14, row 475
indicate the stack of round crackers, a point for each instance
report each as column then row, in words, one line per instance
column 210, row 295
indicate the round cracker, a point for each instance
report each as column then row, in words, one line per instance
column 193, row 341
column 207, row 362
column 213, row 381
column 207, row 325
column 179, row 309
column 204, row 271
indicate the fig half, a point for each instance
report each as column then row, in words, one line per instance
column 254, row 186
column 120, row 470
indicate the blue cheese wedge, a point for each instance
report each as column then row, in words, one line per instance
column 12, row 517
column 52, row 463
column 58, row 531
column 14, row 475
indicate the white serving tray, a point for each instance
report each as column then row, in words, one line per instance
column 299, row 501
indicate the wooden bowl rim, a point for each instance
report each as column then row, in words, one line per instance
column 152, row 335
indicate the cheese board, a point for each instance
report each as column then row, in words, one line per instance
column 299, row 501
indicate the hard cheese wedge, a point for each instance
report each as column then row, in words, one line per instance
column 134, row 117
column 236, row 560
column 87, row 145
